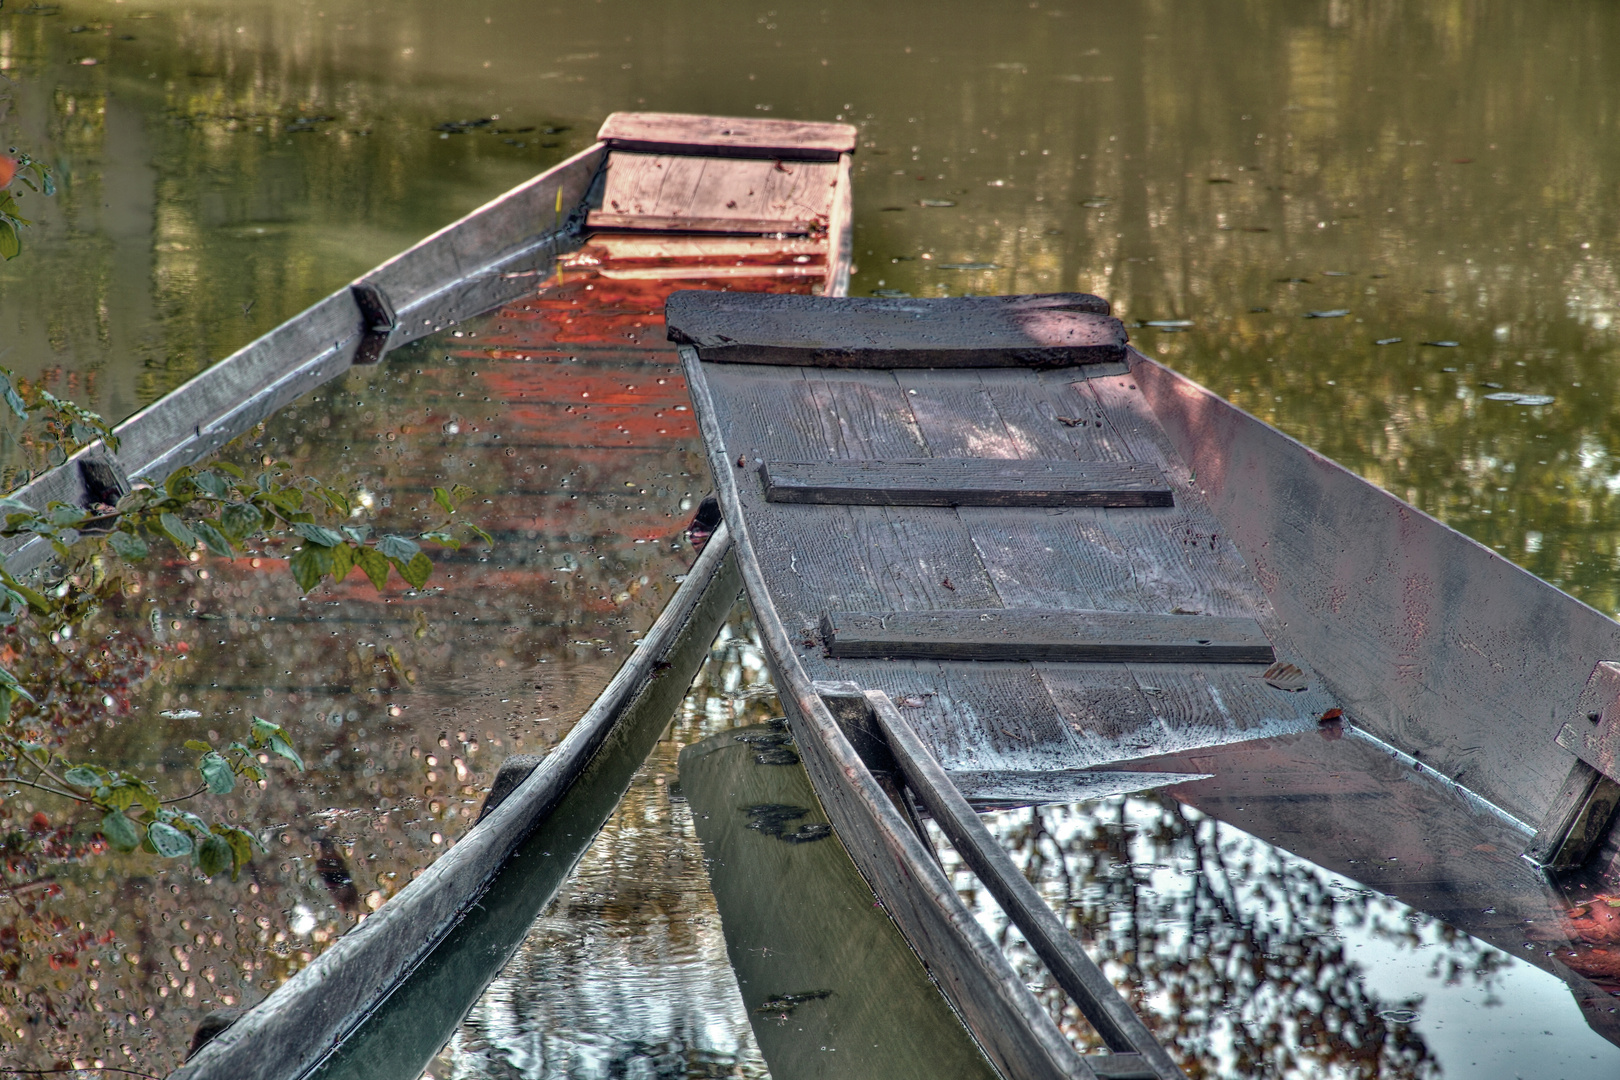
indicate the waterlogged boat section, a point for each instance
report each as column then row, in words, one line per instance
column 1318, row 906
column 565, row 413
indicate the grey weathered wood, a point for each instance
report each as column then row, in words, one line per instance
column 1578, row 820
column 965, row 482
column 1073, row 636
column 722, row 136
column 1594, row 734
column 286, row 1034
column 841, row 232
column 1431, row 641
column 872, row 332
column 1118, row 1025
column 1121, row 1066
column 1007, row 788
column 1009, row 1024
column 675, row 193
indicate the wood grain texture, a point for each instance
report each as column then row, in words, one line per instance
column 1434, row 643
column 1011, row 1027
column 1114, row 1020
column 725, row 136
column 1008, row 789
column 1593, row 734
column 687, row 194
column 1062, row 330
column 1005, row 634
column 1578, row 820
column 965, row 482
column 841, row 232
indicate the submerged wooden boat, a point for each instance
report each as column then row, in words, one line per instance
column 660, row 201
column 998, row 557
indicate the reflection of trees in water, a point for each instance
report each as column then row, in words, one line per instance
column 626, row 974
column 1233, row 951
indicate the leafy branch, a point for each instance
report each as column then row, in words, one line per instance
column 19, row 167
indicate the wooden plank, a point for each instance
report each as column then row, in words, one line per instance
column 1075, row 636
column 1429, row 640
column 1578, row 820
column 300, row 1023
column 1594, row 734
column 965, row 482
column 841, row 232
column 722, row 136
column 1014, row 1030
column 1060, row 330
column 1006, row 789
column 687, row 194
column 1118, row 1025
column 621, row 247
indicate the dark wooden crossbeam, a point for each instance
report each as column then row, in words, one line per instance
column 723, row 136
column 1078, row 636
column 966, row 482
column 1056, row 330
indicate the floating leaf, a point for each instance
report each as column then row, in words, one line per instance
column 120, row 832
column 935, row 202
column 216, row 773
column 1335, row 313
column 1388, row 341
column 1285, row 676
column 167, row 840
column 1440, row 344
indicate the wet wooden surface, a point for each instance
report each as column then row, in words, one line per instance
column 727, row 136
column 965, row 482
column 1001, row 715
column 693, row 194
column 1063, row 329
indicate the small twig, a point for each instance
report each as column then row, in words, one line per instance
column 88, row 1068
column 183, row 798
column 43, row 787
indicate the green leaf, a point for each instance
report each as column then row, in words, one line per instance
column 375, row 564
column 358, row 533
column 263, row 729
column 240, row 519
column 10, row 242
column 119, row 798
column 18, row 406
column 234, row 470
column 342, row 561
column 417, row 571
column 318, row 534
column 81, row 777
column 167, row 840
column 215, row 856
column 309, row 564
column 442, row 497
column 443, row 538
column 198, row 744
column 281, row 746
column 128, row 545
column 176, row 530
column 461, row 493
column 178, row 485
column 212, row 483
column 63, row 514
column 197, row 824
column 218, row 543
column 482, row 535
column 241, row 849
column 216, row 773
column 397, row 549
column 120, row 832
column 9, row 681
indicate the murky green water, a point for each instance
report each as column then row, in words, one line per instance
column 1444, row 172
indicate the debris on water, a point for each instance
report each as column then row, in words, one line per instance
column 786, row 1003
column 1399, row 1016
column 891, row 209
column 913, row 701
column 1334, row 313
column 1492, row 385
column 892, row 294
column 1388, row 341
column 461, row 127
column 1256, row 228
column 1293, row 281
column 773, row 820
column 935, row 202
column 1221, row 180
column 1330, row 716
column 1337, row 273
column 970, row 266
column 1259, row 311
column 1449, row 370
column 1513, row 398
column 1169, row 324
column 1440, row 344
column 180, row 714
column 1285, row 676
column 1096, row 202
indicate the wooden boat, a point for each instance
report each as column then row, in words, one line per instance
column 999, row 557
column 661, row 201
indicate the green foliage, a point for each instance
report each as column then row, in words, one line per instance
column 220, row 510
column 37, row 177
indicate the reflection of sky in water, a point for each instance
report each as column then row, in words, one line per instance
column 625, row 975
column 1261, row 963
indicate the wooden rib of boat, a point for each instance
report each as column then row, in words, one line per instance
column 998, row 557
column 794, row 238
